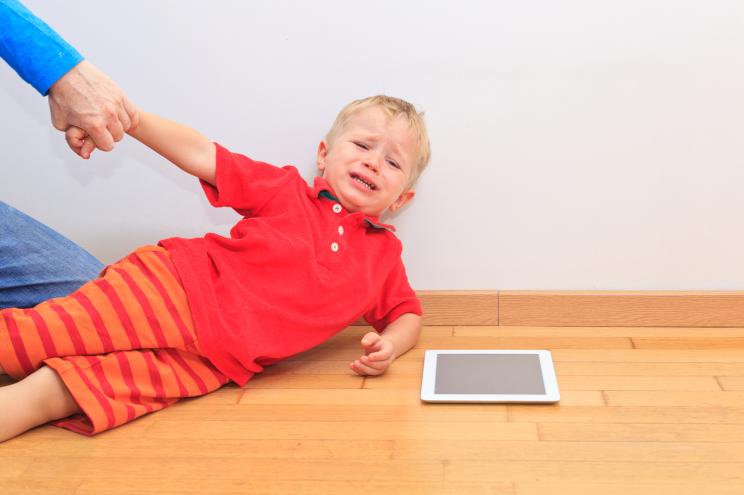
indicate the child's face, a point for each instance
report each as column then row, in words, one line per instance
column 370, row 164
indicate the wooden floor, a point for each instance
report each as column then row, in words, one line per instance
column 643, row 410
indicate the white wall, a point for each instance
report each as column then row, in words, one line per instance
column 577, row 144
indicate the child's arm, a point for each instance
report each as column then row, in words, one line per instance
column 181, row 145
column 381, row 350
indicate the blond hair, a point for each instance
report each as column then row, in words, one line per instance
column 393, row 108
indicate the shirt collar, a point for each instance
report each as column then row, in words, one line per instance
column 321, row 189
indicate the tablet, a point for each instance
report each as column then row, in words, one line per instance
column 489, row 376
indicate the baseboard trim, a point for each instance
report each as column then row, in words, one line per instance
column 584, row 308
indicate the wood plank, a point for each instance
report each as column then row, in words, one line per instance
column 351, row 431
column 39, row 487
column 564, row 368
column 647, row 432
column 379, row 397
column 249, row 411
column 202, row 447
column 627, row 414
column 12, row 466
column 650, row 487
column 680, row 399
column 466, row 450
column 561, row 473
column 340, row 413
column 661, row 383
column 460, row 307
column 731, row 383
column 649, row 356
column 506, row 342
column 688, row 343
column 233, row 468
column 584, row 332
column 330, row 397
column 631, row 309
column 584, row 308
column 281, row 487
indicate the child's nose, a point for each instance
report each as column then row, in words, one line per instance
column 372, row 162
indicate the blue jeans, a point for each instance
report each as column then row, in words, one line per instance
column 37, row 263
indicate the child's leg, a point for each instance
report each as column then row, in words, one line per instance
column 137, row 303
column 37, row 399
column 116, row 388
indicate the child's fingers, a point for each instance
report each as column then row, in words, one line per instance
column 87, row 148
column 362, row 369
column 379, row 365
column 75, row 138
column 381, row 355
column 78, row 141
column 370, row 340
column 75, row 135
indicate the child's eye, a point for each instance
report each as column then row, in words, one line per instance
column 361, row 145
column 393, row 163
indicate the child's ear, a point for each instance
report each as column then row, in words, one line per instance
column 322, row 153
column 404, row 198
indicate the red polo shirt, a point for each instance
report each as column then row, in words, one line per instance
column 297, row 269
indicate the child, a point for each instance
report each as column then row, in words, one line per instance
column 183, row 318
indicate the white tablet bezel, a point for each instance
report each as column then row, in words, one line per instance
column 546, row 366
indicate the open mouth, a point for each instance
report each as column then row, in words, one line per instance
column 366, row 183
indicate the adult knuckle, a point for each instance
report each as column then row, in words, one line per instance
column 96, row 125
column 109, row 113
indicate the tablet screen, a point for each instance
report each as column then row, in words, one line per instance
column 488, row 374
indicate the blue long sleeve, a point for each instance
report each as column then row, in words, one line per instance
column 37, row 53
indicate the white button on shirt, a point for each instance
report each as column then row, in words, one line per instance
column 337, row 208
column 340, row 230
column 334, row 247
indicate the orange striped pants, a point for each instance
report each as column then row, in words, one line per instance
column 123, row 344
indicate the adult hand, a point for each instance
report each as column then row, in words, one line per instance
column 378, row 355
column 88, row 99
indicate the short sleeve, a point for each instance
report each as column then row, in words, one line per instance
column 396, row 298
column 244, row 184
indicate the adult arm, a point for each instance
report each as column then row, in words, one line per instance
column 79, row 94
column 37, row 53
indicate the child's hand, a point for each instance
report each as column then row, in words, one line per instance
column 79, row 142
column 378, row 354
